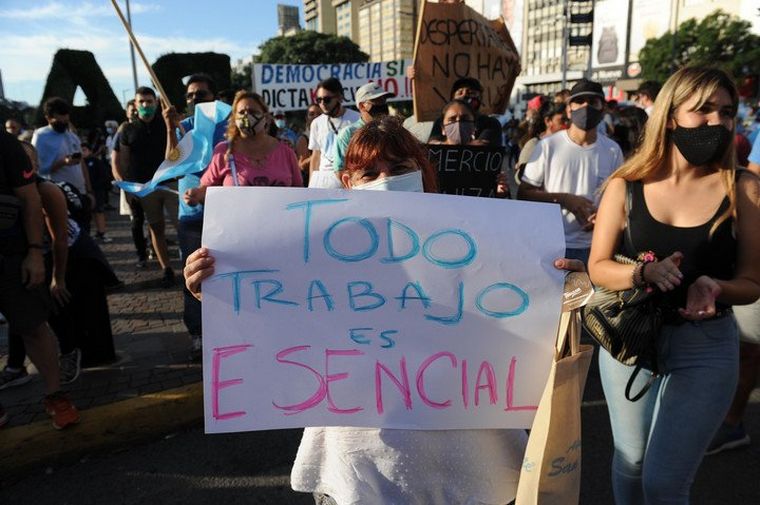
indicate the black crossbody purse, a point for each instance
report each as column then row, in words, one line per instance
column 626, row 323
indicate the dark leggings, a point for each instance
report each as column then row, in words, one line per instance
column 138, row 221
column 85, row 322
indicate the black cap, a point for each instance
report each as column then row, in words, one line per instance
column 584, row 87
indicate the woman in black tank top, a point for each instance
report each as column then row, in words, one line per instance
column 692, row 211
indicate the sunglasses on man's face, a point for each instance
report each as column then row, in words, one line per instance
column 324, row 99
column 197, row 94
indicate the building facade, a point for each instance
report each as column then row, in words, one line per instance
column 319, row 16
column 287, row 20
column 387, row 28
column 619, row 30
column 347, row 18
column 384, row 29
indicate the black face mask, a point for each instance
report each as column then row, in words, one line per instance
column 702, row 145
column 378, row 111
column 59, row 126
column 586, row 118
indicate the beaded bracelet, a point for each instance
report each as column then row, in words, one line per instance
column 637, row 276
column 644, row 258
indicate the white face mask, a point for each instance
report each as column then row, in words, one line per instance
column 406, row 182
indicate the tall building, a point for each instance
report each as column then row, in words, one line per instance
column 619, row 30
column 287, row 20
column 387, row 28
column 347, row 16
column 319, row 16
column 384, row 29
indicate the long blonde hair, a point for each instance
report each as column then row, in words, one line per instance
column 654, row 150
column 233, row 133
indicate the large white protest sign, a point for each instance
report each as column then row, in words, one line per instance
column 294, row 87
column 378, row 309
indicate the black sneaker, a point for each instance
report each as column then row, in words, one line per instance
column 70, row 365
column 10, row 378
column 168, row 280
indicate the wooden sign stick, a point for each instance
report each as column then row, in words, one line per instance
column 164, row 97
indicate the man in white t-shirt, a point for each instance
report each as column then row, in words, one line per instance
column 59, row 149
column 324, row 131
column 570, row 166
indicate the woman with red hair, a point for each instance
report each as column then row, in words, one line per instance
column 342, row 465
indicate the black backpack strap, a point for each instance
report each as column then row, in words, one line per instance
column 644, row 389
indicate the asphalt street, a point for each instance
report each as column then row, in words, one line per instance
column 190, row 468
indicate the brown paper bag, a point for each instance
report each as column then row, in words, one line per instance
column 551, row 472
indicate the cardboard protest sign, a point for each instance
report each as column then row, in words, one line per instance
column 294, row 87
column 455, row 41
column 466, row 170
column 378, row 309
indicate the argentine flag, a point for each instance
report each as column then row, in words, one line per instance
column 192, row 154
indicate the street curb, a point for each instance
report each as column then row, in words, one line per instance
column 114, row 425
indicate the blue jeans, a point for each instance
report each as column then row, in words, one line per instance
column 189, row 238
column 661, row 439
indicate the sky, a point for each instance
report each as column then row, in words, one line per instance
column 31, row 33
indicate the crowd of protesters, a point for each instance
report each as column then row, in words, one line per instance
column 567, row 149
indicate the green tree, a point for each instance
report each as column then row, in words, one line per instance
column 310, row 47
column 241, row 77
column 719, row 40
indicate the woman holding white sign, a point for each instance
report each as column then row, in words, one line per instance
column 347, row 465
column 693, row 219
column 249, row 157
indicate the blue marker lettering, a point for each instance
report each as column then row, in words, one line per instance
column 236, row 276
column 421, row 296
column 269, row 297
column 374, row 240
column 389, row 342
column 357, row 337
column 413, row 238
column 307, row 206
column 525, row 301
column 325, row 295
column 367, row 292
column 455, row 318
column 427, row 250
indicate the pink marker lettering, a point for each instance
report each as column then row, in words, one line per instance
column 402, row 385
column 314, row 399
column 421, row 379
column 337, row 377
column 217, row 385
column 465, row 385
column 511, row 390
column 487, row 370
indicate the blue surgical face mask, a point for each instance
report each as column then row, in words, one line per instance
column 405, row 182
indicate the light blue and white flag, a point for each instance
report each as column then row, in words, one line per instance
column 193, row 151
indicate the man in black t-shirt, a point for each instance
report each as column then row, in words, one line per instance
column 24, row 299
column 142, row 150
